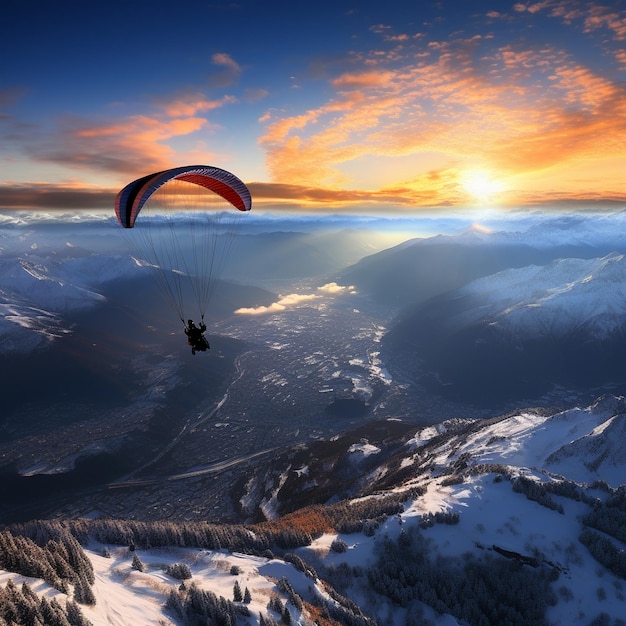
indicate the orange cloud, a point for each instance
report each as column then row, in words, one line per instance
column 402, row 121
column 601, row 16
column 229, row 73
column 135, row 144
column 193, row 104
column 366, row 80
column 516, row 111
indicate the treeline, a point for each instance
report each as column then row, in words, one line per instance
column 292, row 531
column 22, row 606
column 52, row 550
column 535, row 491
column 475, row 591
column 610, row 516
column 604, row 550
column 156, row 534
column 193, row 606
column 60, row 561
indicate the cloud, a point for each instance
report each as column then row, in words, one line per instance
column 364, row 80
column 319, row 195
column 283, row 303
column 134, row 145
column 516, row 108
column 334, row 288
column 130, row 145
column 77, row 195
column 395, row 124
column 603, row 17
column 294, row 299
column 229, row 73
column 192, row 104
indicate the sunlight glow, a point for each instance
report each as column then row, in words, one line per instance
column 481, row 185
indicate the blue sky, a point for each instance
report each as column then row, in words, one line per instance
column 332, row 106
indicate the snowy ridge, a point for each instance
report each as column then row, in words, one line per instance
column 36, row 293
column 601, row 451
column 565, row 443
column 32, row 303
column 540, row 231
column 556, row 298
column 471, row 469
column 31, row 280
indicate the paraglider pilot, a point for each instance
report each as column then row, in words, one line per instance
column 195, row 338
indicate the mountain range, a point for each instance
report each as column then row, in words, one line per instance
column 412, row 272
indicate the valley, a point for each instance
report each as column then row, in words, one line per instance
column 182, row 448
column 273, row 398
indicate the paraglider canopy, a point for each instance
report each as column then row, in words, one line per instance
column 185, row 230
column 131, row 199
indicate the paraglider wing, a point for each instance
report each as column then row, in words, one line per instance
column 186, row 228
column 131, row 198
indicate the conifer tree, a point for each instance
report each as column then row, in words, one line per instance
column 83, row 593
column 237, row 595
column 75, row 616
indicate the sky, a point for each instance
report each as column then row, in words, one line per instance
column 353, row 106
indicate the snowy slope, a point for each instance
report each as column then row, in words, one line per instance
column 126, row 596
column 557, row 298
column 37, row 292
column 469, row 468
column 565, row 443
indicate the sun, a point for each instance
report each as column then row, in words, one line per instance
column 481, row 185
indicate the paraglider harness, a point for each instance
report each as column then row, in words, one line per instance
column 195, row 336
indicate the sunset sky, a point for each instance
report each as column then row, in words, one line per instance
column 335, row 105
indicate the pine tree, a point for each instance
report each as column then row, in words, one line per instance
column 237, row 595
column 137, row 564
column 75, row 616
column 180, row 571
column 83, row 593
column 247, row 598
column 175, row 603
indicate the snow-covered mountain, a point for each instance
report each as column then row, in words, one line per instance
column 591, row 230
column 37, row 293
column 521, row 331
column 411, row 273
column 558, row 298
column 514, row 519
column 517, row 519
